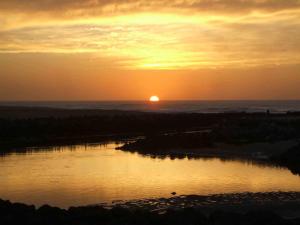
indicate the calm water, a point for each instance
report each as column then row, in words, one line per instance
column 172, row 106
column 88, row 175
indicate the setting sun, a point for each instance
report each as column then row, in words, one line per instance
column 154, row 98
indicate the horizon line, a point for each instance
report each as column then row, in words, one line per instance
column 146, row 100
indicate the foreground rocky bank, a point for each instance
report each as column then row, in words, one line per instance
column 240, row 209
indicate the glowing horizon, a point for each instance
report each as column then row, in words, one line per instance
column 228, row 44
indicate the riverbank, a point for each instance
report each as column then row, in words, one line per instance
column 250, row 136
column 261, row 151
column 31, row 127
column 264, row 137
column 244, row 208
column 284, row 153
column 286, row 204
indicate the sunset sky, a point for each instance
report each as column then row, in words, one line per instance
column 132, row 49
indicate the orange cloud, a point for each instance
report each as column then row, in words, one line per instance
column 152, row 34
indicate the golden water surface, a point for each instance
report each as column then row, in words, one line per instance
column 88, row 175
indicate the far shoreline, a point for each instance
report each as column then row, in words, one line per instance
column 221, row 135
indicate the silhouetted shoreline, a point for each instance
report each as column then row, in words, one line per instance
column 27, row 127
column 259, row 153
column 242, row 208
column 176, row 134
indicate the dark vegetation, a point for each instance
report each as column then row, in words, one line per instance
column 156, row 143
column 17, row 214
column 290, row 159
column 85, row 126
column 25, row 127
